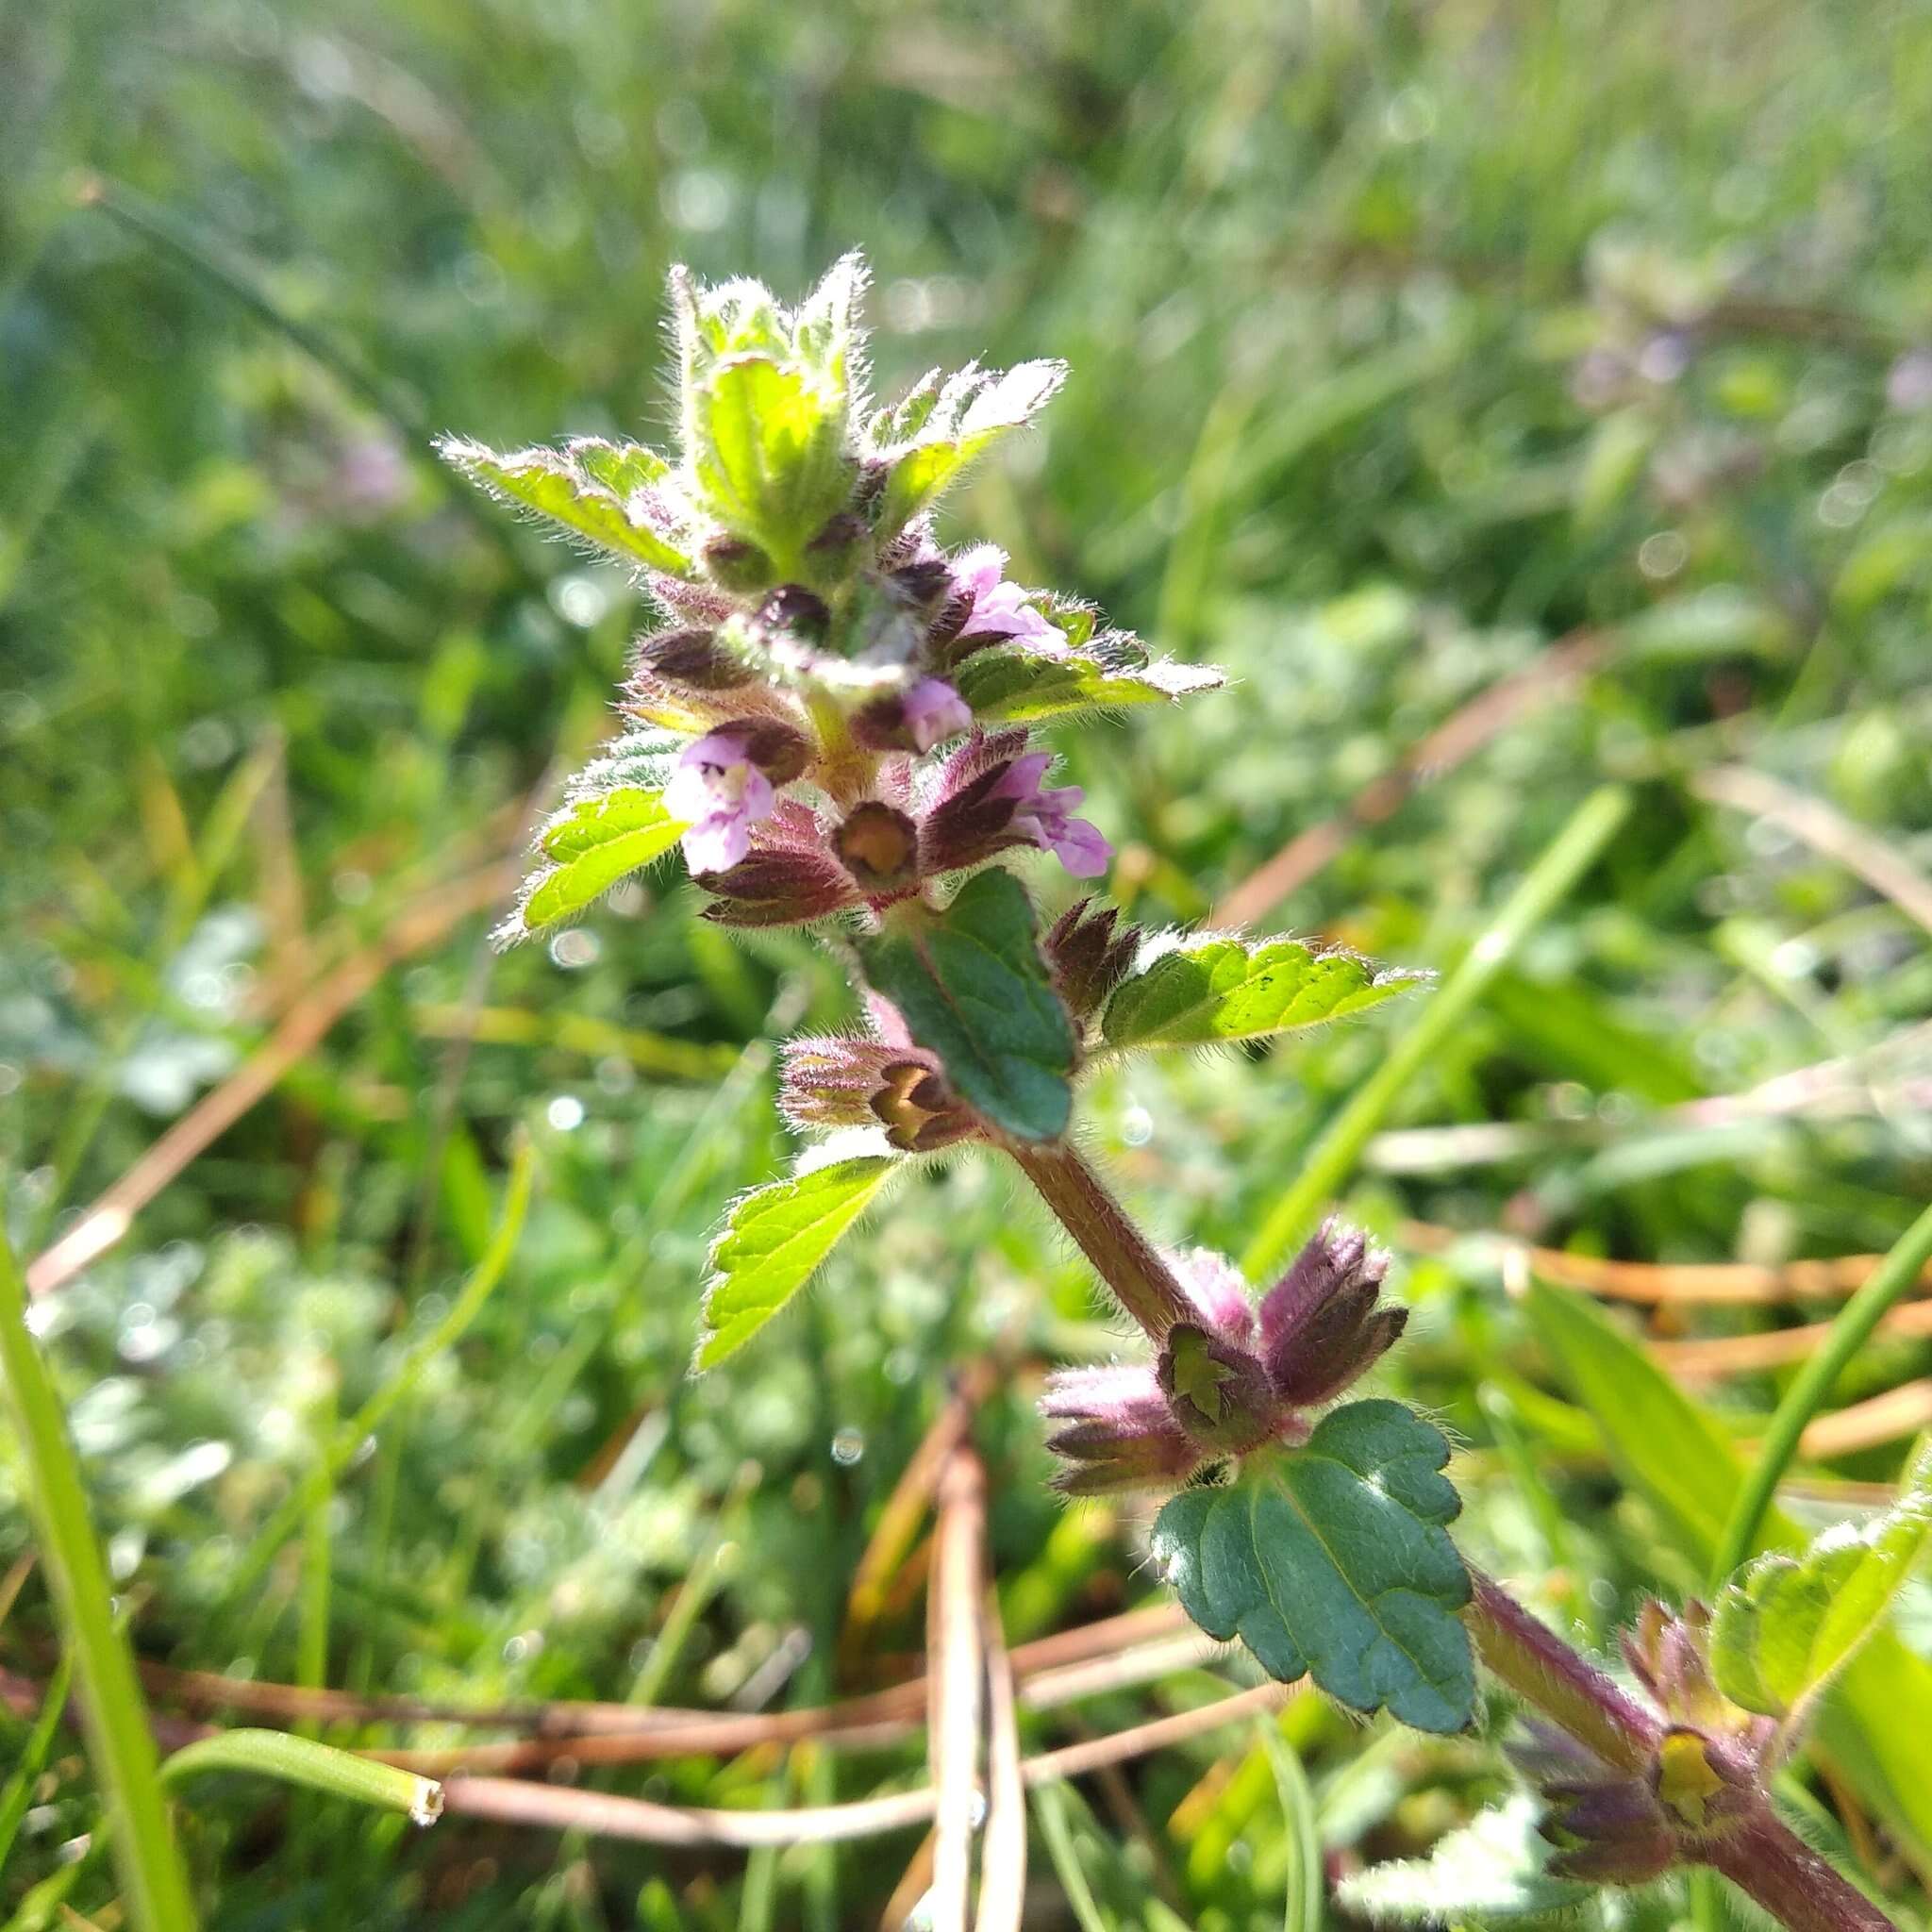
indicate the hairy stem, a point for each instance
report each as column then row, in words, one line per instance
column 1570, row 1690
column 1763, row 1857
column 1771, row 1863
column 1122, row 1256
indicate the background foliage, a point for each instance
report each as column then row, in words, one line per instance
column 1406, row 342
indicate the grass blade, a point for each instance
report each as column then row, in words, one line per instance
column 120, row 1745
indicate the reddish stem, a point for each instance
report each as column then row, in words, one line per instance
column 1769, row 1862
column 1122, row 1256
column 1543, row 1670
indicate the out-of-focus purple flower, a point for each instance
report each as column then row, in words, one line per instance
column 722, row 794
column 1908, row 383
column 934, row 711
column 999, row 609
column 1044, row 816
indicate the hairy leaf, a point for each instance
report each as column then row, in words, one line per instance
column 1333, row 1559
column 972, row 987
column 967, row 415
column 1494, row 1866
column 1009, row 684
column 588, row 490
column 769, row 452
column 1210, row 990
column 593, row 843
column 772, row 1242
column 1787, row 1624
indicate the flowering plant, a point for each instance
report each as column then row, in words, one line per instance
column 837, row 725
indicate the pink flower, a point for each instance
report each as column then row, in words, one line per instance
column 934, row 711
column 721, row 795
column 999, row 609
column 1044, row 816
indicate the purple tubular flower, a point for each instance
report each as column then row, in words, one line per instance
column 1120, row 1433
column 999, row 609
column 1045, row 817
column 933, row 711
column 721, row 795
column 1321, row 1328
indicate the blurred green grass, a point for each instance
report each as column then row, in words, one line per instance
column 1406, row 342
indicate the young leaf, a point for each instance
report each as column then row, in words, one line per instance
column 967, row 416
column 769, row 452
column 1494, row 1866
column 595, row 842
column 1332, row 1559
column 578, row 488
column 1785, row 1625
column 972, row 987
column 773, row 1241
column 1209, row 989
column 1009, row 684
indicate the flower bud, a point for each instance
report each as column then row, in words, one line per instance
column 917, row 720
column 795, row 612
column 831, row 554
column 736, row 565
column 777, row 885
column 697, row 660
column 879, row 845
column 1321, row 1328
column 1121, row 1433
column 1090, row 952
column 1218, row 1392
column 851, row 1083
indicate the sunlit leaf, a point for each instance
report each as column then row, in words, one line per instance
column 1010, row 684
column 772, row 1242
column 1212, row 989
column 577, row 489
column 593, row 843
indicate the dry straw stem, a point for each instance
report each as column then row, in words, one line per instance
column 1714, row 1282
column 956, row 1669
column 1826, row 830
column 558, row 1807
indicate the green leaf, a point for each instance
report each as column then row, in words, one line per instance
column 1787, row 1624
column 965, row 418
column 1877, row 1721
column 1494, row 1866
column 295, row 1760
column 577, row 488
column 768, row 453
column 773, row 1241
column 972, row 987
column 1009, row 684
column 596, row 841
column 1333, row 1559
column 1209, row 989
